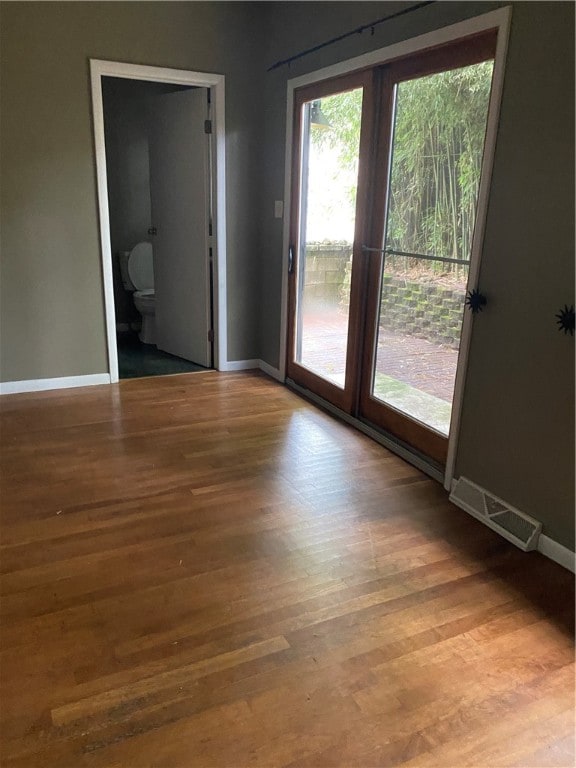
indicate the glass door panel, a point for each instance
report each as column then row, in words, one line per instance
column 328, row 200
column 436, row 158
column 329, row 184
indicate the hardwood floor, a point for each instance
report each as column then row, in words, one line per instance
column 205, row 570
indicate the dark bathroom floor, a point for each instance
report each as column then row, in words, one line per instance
column 136, row 359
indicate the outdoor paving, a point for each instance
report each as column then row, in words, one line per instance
column 428, row 369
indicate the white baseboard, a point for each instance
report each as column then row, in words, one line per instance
column 65, row 382
column 239, row 365
column 557, row 552
column 247, row 365
column 40, row 385
column 270, row 370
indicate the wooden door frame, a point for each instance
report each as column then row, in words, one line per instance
column 100, row 69
column 499, row 20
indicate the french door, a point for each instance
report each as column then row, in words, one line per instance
column 386, row 170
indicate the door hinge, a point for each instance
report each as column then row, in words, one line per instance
column 207, row 126
column 210, row 335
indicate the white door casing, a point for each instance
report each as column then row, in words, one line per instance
column 99, row 69
column 179, row 196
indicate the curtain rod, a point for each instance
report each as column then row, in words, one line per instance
column 371, row 26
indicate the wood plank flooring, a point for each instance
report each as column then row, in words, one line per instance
column 205, row 570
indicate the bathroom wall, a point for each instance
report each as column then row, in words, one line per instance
column 128, row 171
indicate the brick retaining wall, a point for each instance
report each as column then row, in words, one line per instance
column 422, row 309
column 416, row 307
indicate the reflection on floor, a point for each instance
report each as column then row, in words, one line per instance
column 136, row 359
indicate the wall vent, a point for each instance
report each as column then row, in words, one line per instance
column 519, row 528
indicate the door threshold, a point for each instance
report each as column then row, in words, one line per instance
column 423, row 463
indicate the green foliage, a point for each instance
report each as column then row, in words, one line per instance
column 438, row 143
column 344, row 112
column 437, row 155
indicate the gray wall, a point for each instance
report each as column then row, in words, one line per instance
column 52, row 311
column 128, row 172
column 517, row 429
column 127, row 160
column 517, row 434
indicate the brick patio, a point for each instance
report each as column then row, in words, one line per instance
column 422, row 364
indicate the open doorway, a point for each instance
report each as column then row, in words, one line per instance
column 149, row 129
column 159, row 140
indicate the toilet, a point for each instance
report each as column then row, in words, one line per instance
column 137, row 270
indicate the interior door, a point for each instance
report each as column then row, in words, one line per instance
column 179, row 196
column 329, row 196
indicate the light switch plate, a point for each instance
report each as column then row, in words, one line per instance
column 278, row 209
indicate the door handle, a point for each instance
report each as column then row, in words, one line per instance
column 290, row 260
